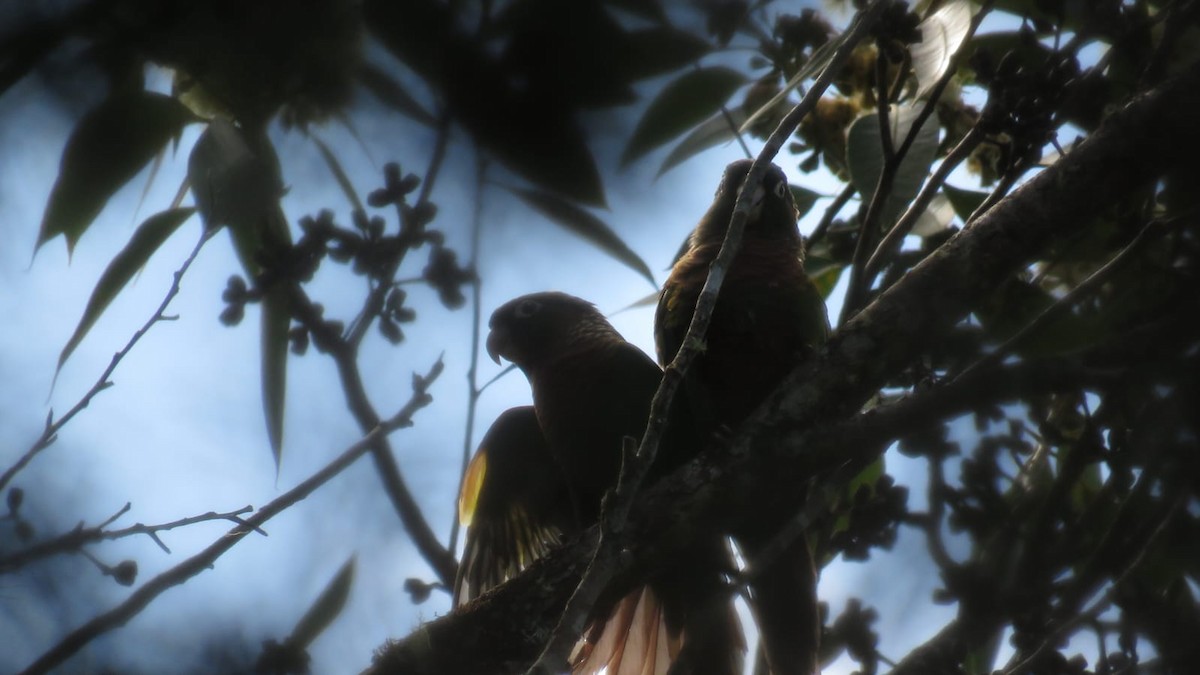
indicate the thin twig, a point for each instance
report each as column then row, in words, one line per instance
column 606, row 562
column 891, row 240
column 1087, row 286
column 831, row 212
column 80, row 536
column 364, row 413
column 50, row 432
column 1102, row 603
column 139, row 599
column 375, row 298
column 473, row 389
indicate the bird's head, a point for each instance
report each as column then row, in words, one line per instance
column 541, row 328
column 772, row 212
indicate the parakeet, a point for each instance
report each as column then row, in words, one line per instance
column 768, row 318
column 514, row 504
column 591, row 389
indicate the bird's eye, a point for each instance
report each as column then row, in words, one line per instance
column 781, row 189
column 527, row 309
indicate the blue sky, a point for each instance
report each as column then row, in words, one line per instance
column 181, row 433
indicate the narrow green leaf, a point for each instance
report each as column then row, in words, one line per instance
column 579, row 222
column 681, row 105
column 864, row 156
column 339, row 174
column 804, row 199
column 275, row 323
column 826, row 278
column 326, row 608
column 648, row 300
column 935, row 218
column 713, row 131
column 942, row 34
column 108, row 147
column 145, row 241
column 232, row 183
column 964, row 201
column 390, row 93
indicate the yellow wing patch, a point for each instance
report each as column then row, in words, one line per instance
column 472, row 485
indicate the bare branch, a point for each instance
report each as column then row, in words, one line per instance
column 50, row 432
column 75, row 540
column 203, row 560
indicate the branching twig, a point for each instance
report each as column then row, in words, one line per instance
column 203, row 560
column 616, row 508
column 80, row 536
column 375, row 298
column 355, row 391
column 903, row 226
column 50, row 432
column 864, row 269
column 1087, row 286
column 1100, row 605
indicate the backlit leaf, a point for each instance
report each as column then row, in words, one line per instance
column 145, row 241
column 326, row 608
column 108, row 147
column 715, row 130
column 681, row 105
column 864, row 155
column 942, row 34
column 582, row 223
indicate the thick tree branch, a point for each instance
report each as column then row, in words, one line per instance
column 808, row 425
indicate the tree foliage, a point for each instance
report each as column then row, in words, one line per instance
column 1014, row 247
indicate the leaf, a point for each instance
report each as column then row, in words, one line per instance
column 236, row 183
column 390, row 93
column 681, row 105
column 825, row 275
column 589, row 227
column 275, row 324
column 648, row 300
column 864, row 156
column 964, row 201
column 145, row 241
column 339, row 174
column 326, row 608
column 530, row 131
column 108, row 147
column 714, row 131
column 237, row 186
column 819, row 59
column 657, row 51
column 804, row 199
column 942, row 35
column 935, row 218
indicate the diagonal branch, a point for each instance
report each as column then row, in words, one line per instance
column 806, row 427
column 203, row 560
column 607, row 562
column 77, row 538
column 53, row 426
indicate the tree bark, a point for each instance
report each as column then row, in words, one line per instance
column 812, row 424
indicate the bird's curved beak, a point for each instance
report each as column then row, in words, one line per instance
column 497, row 342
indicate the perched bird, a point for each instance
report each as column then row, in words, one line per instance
column 591, row 389
column 768, row 318
column 513, row 503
